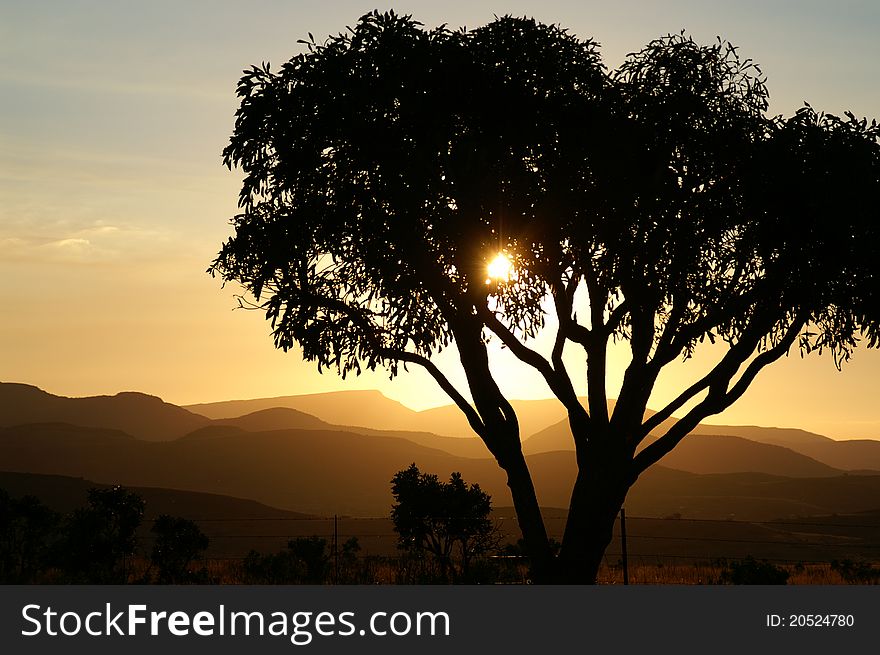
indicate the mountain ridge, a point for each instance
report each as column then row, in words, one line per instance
column 138, row 414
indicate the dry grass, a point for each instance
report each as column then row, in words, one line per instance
column 385, row 571
column 709, row 573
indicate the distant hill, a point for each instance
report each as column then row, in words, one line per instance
column 320, row 471
column 65, row 493
column 533, row 415
column 234, row 525
column 723, row 454
column 337, row 472
column 850, row 455
column 788, row 437
column 315, row 458
column 275, row 418
column 372, row 409
column 366, row 408
column 661, row 491
column 140, row 415
column 284, row 418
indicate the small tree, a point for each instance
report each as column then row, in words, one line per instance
column 306, row 560
column 28, row 530
column 406, row 190
column 442, row 517
column 179, row 542
column 312, row 557
column 97, row 538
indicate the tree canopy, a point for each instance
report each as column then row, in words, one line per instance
column 447, row 519
column 386, row 167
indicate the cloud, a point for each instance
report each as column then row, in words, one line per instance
column 65, row 242
column 71, row 248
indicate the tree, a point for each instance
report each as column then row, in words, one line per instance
column 179, row 541
column 657, row 204
column 27, row 533
column 97, row 538
column 442, row 517
column 306, row 560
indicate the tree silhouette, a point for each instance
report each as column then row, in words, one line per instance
column 97, row 538
column 657, row 204
column 28, row 531
column 179, row 542
column 442, row 518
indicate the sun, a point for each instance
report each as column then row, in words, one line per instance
column 499, row 269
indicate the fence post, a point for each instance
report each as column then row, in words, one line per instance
column 623, row 545
column 335, row 549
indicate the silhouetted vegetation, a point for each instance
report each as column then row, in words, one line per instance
column 752, row 571
column 97, row 538
column 94, row 544
column 657, row 204
column 179, row 542
column 307, row 560
column 448, row 520
column 28, row 530
column 856, row 572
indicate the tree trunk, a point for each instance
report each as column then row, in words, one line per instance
column 598, row 495
column 528, row 513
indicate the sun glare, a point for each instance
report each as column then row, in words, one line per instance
column 499, row 269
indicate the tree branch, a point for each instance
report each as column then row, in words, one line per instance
column 470, row 413
column 718, row 398
column 368, row 330
column 722, row 372
column 557, row 380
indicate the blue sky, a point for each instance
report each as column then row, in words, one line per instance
column 113, row 200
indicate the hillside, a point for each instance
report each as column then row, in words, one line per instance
column 321, row 471
column 747, row 448
column 275, row 418
column 337, row 472
column 788, row 437
column 64, row 494
column 360, row 408
column 371, row 409
column 140, row 415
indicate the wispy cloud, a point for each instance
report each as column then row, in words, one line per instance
column 63, row 242
column 212, row 92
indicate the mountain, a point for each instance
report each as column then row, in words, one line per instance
column 788, row 437
column 706, row 454
column 661, row 491
column 275, row 418
column 723, row 454
column 140, row 415
column 319, row 471
column 372, row 409
column 848, row 455
column 234, row 525
column 366, row 408
column 533, row 415
column 290, row 458
column 65, row 494
column 284, row 418
column 340, row 472
column 852, row 454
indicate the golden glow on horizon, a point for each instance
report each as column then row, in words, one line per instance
column 115, row 201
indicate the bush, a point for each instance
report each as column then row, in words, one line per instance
column 179, row 541
column 28, row 530
column 856, row 572
column 751, row 571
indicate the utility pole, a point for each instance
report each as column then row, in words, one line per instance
column 623, row 545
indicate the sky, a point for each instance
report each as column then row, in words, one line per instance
column 113, row 199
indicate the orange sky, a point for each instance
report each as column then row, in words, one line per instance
column 113, row 200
